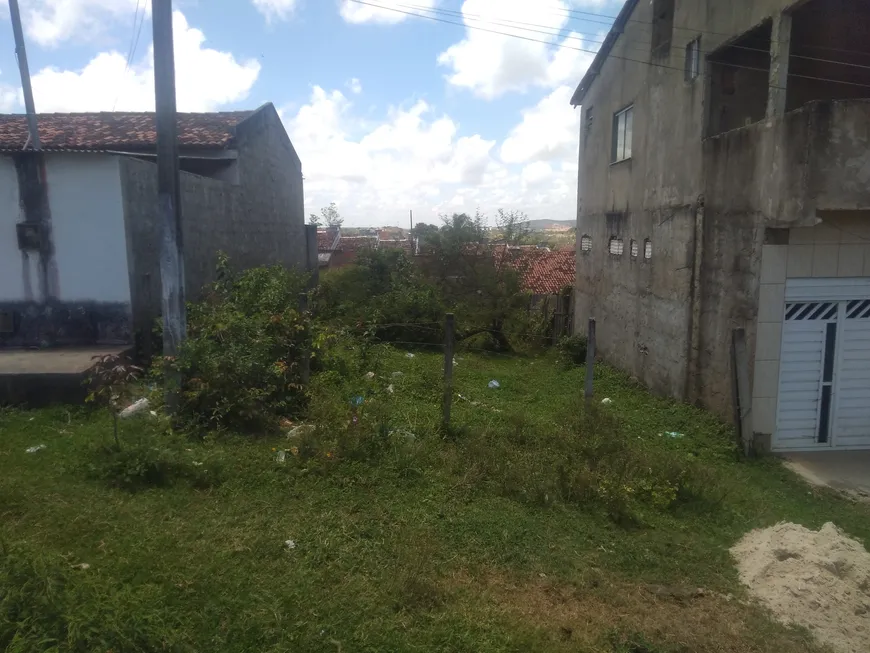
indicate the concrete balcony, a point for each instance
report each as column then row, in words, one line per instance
column 786, row 169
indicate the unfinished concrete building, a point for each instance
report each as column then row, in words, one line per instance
column 725, row 182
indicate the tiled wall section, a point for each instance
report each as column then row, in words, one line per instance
column 839, row 248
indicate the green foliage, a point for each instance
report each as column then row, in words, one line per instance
column 240, row 364
column 572, row 349
column 150, row 458
column 383, row 295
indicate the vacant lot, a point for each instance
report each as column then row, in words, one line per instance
column 486, row 538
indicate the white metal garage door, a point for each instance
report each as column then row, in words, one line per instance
column 824, row 378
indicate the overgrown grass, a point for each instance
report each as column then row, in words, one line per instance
column 494, row 537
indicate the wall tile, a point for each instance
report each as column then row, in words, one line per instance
column 825, row 260
column 826, row 234
column 850, row 262
column 774, row 261
column 768, row 341
column 771, row 298
column 764, row 415
column 766, row 382
column 800, row 261
column 866, row 271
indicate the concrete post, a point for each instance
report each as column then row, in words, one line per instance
column 780, row 50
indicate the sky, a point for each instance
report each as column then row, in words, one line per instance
column 389, row 110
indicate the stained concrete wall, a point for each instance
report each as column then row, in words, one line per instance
column 703, row 205
column 259, row 221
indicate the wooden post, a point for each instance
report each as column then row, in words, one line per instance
column 168, row 195
column 306, row 351
column 744, row 396
column 590, row 361
column 449, row 326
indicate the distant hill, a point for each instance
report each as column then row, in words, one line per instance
column 541, row 225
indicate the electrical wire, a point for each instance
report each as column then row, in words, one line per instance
column 134, row 44
column 611, row 55
column 583, row 36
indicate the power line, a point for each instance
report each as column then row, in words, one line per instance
column 581, row 36
column 134, row 43
column 611, row 55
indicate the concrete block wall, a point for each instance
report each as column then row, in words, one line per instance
column 837, row 247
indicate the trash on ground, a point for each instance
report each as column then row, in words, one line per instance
column 816, row 579
column 607, row 401
column 494, row 384
column 390, row 388
column 196, row 463
column 409, row 355
column 281, row 457
column 134, row 408
column 153, row 413
column 672, row 434
column 357, row 401
column 38, row 447
column 296, row 431
column 290, row 544
column 370, row 375
column 82, row 566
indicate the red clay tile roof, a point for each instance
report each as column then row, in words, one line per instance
column 544, row 272
column 357, row 243
column 109, row 131
column 406, row 245
column 326, row 239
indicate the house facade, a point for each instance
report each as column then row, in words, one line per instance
column 724, row 182
column 80, row 233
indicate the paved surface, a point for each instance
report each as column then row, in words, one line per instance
column 73, row 360
column 847, row 471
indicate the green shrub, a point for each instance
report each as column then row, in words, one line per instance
column 148, row 459
column 240, row 365
column 572, row 349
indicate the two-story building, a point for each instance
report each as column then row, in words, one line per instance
column 724, row 182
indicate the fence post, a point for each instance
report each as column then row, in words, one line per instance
column 743, row 397
column 306, row 351
column 448, row 369
column 590, row 360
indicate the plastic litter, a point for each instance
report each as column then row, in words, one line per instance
column 370, row 375
column 672, row 434
column 197, row 464
column 134, row 408
column 409, row 355
column 494, row 384
column 83, row 566
column 607, row 401
column 299, row 430
column 390, row 388
column 38, row 447
column 290, row 544
column 281, row 457
column 357, row 401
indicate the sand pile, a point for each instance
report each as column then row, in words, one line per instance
column 820, row 580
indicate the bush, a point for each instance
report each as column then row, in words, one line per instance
column 572, row 349
column 240, row 364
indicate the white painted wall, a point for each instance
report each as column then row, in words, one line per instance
column 84, row 192
column 12, row 262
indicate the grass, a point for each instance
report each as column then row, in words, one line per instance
column 418, row 542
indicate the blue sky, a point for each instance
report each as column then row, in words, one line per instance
column 388, row 112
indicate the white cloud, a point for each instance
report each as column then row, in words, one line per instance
column 415, row 158
column 354, row 85
column 205, row 79
column 387, row 11
column 493, row 64
column 275, row 9
column 548, row 131
column 49, row 22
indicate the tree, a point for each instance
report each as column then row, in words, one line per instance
column 514, row 226
column 330, row 216
column 314, row 219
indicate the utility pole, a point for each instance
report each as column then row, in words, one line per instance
column 21, row 54
column 168, row 196
column 412, row 220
